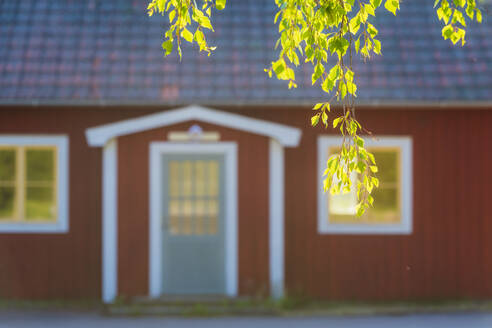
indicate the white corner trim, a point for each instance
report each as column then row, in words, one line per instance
column 287, row 136
column 61, row 143
column 110, row 222
column 157, row 149
column 406, row 193
column 276, row 213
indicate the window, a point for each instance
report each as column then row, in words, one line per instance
column 193, row 207
column 392, row 211
column 33, row 184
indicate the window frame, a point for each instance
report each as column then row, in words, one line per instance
column 404, row 144
column 60, row 143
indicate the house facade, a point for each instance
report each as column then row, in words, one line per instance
column 124, row 174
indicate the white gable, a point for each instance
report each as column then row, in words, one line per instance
column 286, row 135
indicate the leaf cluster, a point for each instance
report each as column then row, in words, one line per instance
column 187, row 21
column 324, row 34
column 453, row 13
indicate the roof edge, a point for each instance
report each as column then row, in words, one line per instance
column 480, row 104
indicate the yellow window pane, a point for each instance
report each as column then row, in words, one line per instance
column 200, row 178
column 40, row 204
column 386, row 197
column 213, row 178
column 174, row 217
column 186, row 177
column 387, row 162
column 385, row 205
column 7, row 201
column 40, row 164
column 173, row 178
column 7, row 165
column 343, row 204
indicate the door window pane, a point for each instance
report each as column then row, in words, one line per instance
column 213, row 178
column 186, row 178
column 173, row 178
column 200, row 178
column 194, row 209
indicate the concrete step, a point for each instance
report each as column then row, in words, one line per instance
column 193, row 305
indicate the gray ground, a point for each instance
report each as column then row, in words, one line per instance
column 40, row 319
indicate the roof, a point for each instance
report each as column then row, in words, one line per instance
column 108, row 52
column 287, row 136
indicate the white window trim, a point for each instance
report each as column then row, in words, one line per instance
column 61, row 143
column 406, row 193
column 229, row 150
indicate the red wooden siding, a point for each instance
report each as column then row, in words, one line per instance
column 56, row 266
column 447, row 256
column 133, row 200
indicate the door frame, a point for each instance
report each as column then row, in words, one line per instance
column 229, row 150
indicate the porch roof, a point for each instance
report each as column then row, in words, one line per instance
column 286, row 135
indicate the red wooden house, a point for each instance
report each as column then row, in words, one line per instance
column 126, row 173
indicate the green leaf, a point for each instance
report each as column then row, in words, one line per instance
column 354, row 24
column 315, row 120
column 161, row 5
column 357, row 45
column 459, row 3
column 324, row 118
column 172, row 14
column 392, row 6
column 377, row 46
column 376, row 3
column 278, row 66
column 369, row 9
column 167, row 46
column 205, row 22
column 349, row 75
column 447, row 31
column 328, row 85
column 334, row 73
column 359, row 141
column 458, row 16
column 337, row 121
column 360, row 209
column 187, row 35
column 318, row 71
column 372, row 30
column 220, row 4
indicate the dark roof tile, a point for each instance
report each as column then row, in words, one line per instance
column 92, row 51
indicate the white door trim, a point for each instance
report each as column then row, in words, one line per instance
column 276, row 214
column 229, row 149
column 110, row 222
